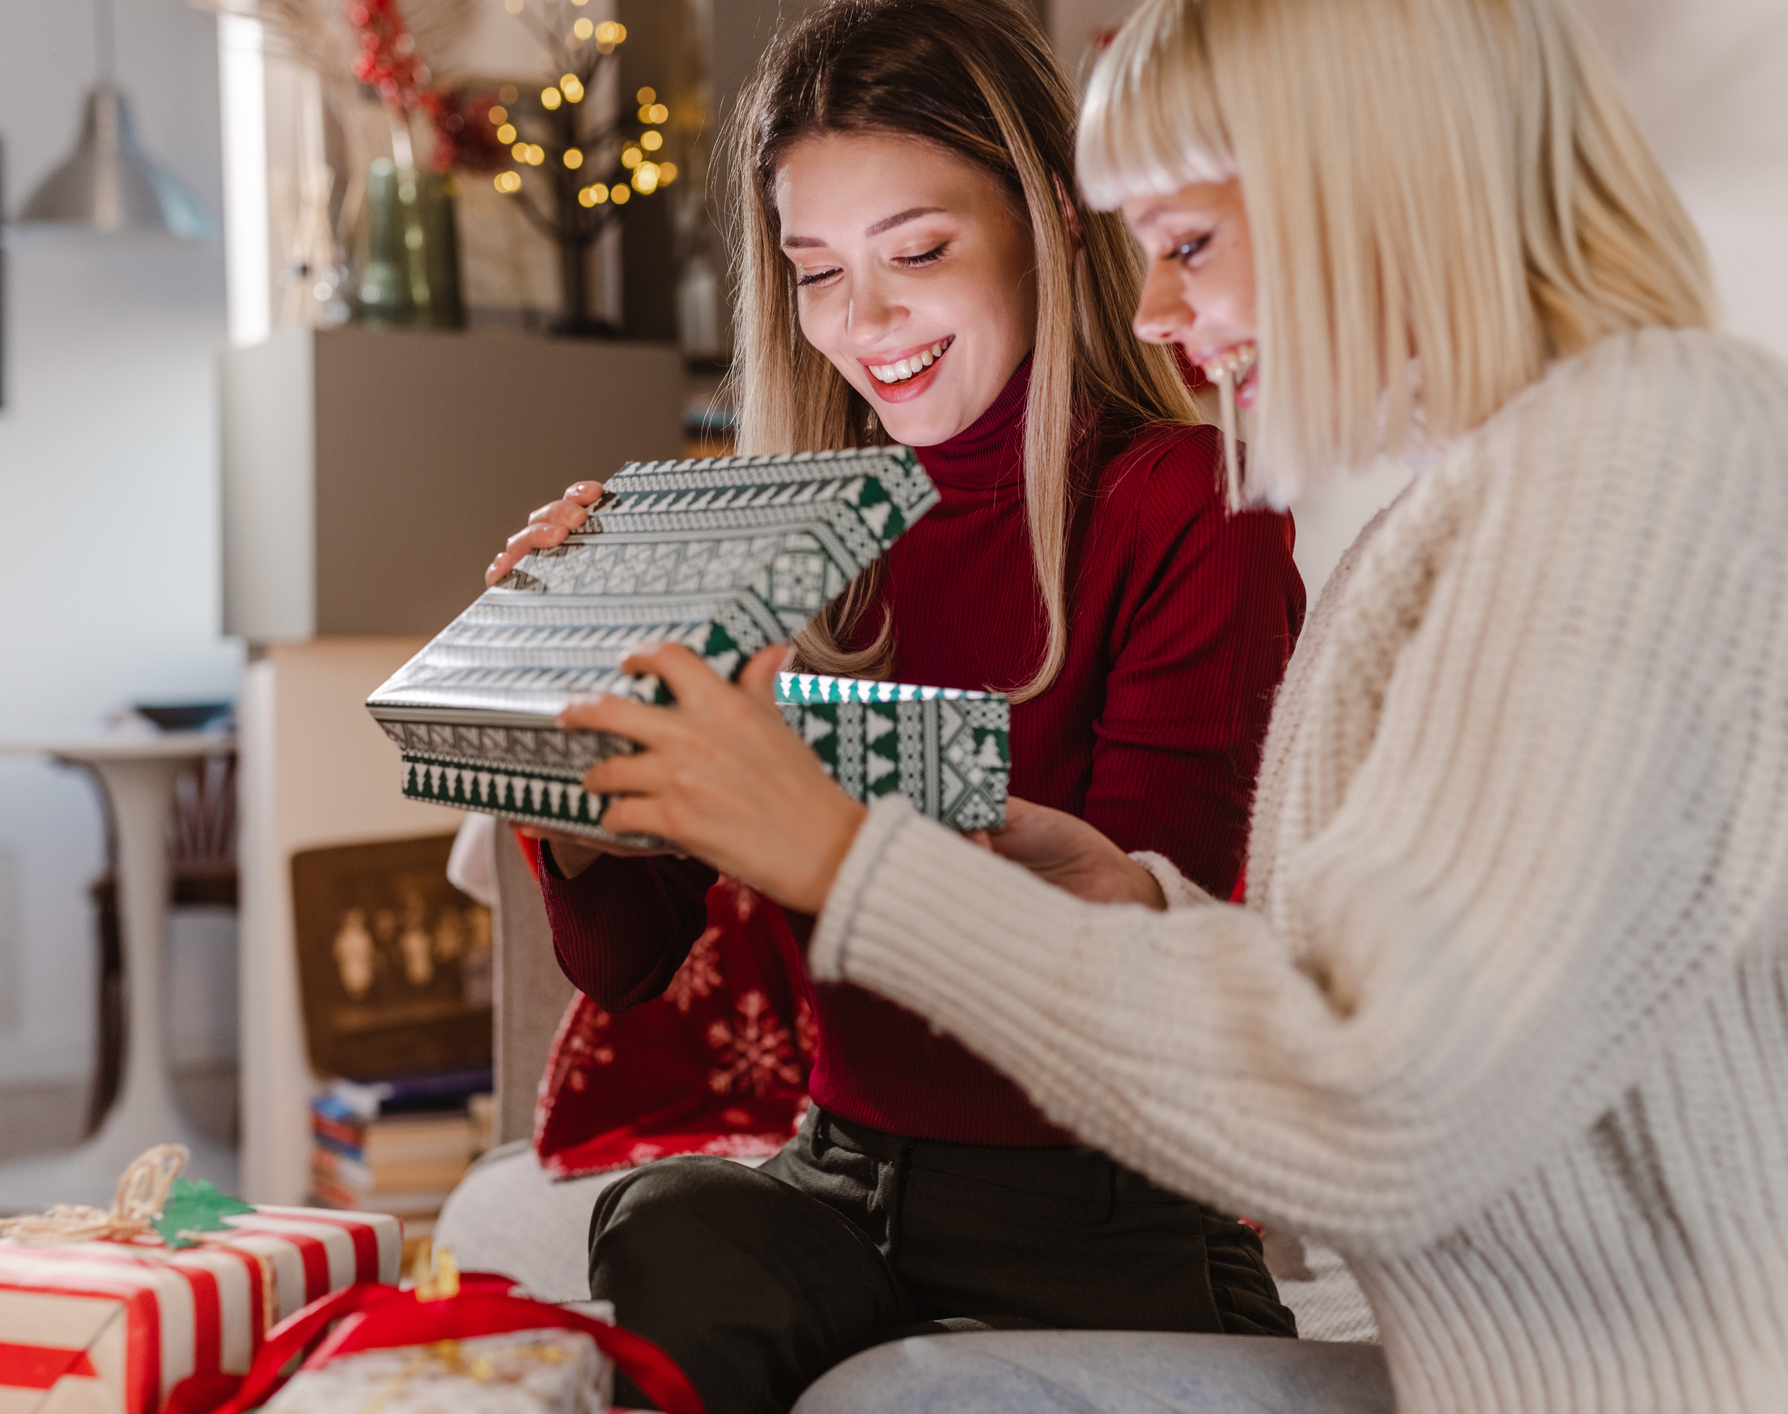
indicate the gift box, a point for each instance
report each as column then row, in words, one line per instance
column 946, row 750
column 726, row 555
column 522, row 1372
column 115, row 1326
column 471, row 1342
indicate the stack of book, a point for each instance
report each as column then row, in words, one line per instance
column 399, row 1146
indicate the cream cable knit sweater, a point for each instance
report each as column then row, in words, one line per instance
column 1506, row 1017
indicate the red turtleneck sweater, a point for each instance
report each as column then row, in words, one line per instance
column 1181, row 620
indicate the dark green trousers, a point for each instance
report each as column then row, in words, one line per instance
column 758, row 1281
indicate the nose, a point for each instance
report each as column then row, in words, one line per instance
column 873, row 312
column 1163, row 314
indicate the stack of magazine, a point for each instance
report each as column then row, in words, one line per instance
column 399, row 1146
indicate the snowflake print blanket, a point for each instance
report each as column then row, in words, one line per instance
column 717, row 1065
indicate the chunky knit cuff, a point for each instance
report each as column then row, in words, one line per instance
column 1179, row 891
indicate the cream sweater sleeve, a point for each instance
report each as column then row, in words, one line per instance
column 1530, row 797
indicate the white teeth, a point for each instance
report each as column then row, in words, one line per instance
column 903, row 368
column 1231, row 364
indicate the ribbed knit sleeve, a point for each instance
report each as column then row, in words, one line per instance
column 623, row 926
column 1527, row 808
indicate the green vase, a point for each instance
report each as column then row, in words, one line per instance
column 440, row 245
column 387, row 288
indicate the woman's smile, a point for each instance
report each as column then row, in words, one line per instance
column 1239, row 363
column 901, row 251
column 909, row 374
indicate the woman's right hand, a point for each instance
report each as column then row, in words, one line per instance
column 1064, row 850
column 547, row 527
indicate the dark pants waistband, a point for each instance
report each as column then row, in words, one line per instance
column 1065, row 1171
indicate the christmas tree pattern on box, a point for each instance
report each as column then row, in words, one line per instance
column 726, row 555
column 946, row 750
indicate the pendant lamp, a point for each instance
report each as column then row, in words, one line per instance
column 108, row 186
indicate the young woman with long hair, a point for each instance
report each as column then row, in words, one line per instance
column 915, row 266
column 1504, row 1018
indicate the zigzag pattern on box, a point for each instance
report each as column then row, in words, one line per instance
column 544, row 750
column 818, row 687
column 947, row 752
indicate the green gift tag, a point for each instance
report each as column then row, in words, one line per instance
column 195, row 1207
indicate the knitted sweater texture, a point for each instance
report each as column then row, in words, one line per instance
column 1505, row 1018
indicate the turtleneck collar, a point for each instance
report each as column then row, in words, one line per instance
column 988, row 455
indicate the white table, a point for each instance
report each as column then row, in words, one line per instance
column 137, row 774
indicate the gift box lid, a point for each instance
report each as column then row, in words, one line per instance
column 726, row 555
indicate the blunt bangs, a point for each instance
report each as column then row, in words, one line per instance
column 1150, row 123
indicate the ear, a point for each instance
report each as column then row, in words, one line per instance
column 1070, row 216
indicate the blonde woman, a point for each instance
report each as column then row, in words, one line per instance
column 915, row 266
column 1505, row 1018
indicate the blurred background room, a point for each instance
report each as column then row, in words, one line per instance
column 303, row 307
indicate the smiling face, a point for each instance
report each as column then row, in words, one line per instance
column 1199, row 290
column 915, row 275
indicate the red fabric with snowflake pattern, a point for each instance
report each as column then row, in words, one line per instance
column 716, row 1065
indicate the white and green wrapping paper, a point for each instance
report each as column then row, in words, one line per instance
column 946, row 750
column 726, row 555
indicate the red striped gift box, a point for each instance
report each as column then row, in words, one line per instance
column 113, row 1327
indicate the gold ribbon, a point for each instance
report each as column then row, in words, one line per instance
column 142, row 1192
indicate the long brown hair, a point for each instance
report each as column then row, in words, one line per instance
column 975, row 78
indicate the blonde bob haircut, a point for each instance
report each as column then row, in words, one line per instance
column 974, row 79
column 1450, row 186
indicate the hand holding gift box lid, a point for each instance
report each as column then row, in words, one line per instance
column 726, row 555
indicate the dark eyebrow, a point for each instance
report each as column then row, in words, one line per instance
column 887, row 223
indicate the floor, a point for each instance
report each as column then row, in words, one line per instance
column 35, row 1118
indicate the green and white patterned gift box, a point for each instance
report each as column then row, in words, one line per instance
column 946, row 750
column 727, row 555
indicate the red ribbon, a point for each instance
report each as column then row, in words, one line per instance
column 373, row 1317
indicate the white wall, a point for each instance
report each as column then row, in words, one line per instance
column 1708, row 80
column 108, row 507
